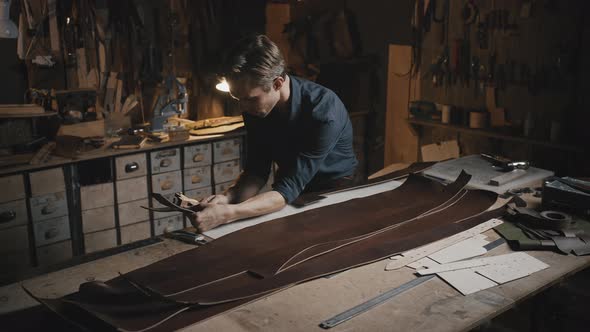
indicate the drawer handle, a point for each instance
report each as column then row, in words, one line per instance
column 169, row 153
column 196, row 179
column 198, row 157
column 165, row 162
column 167, row 185
column 227, row 171
column 48, row 209
column 51, row 233
column 227, row 151
column 7, row 216
column 131, row 167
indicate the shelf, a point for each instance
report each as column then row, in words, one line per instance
column 496, row 134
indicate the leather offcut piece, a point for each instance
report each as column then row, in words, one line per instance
column 266, row 258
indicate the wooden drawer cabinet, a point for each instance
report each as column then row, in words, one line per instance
column 197, row 177
column 165, row 160
column 98, row 219
column 49, row 206
column 168, row 224
column 13, row 214
column 200, row 193
column 47, row 181
column 14, row 239
column 100, row 240
column 13, row 188
column 132, row 189
column 132, row 212
column 135, row 232
column 227, row 171
column 51, row 231
column 167, row 183
column 98, row 195
column 225, row 150
column 131, row 166
column 197, row 155
column 54, row 253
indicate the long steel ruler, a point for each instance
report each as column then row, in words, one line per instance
column 359, row 309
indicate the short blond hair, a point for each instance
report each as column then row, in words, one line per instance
column 257, row 59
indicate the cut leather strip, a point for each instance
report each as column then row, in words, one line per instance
column 256, row 248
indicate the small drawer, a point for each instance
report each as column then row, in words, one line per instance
column 132, row 189
column 135, row 232
column 197, row 177
column 132, row 212
column 222, row 187
column 165, row 160
column 98, row 219
column 54, row 253
column 170, row 224
column 200, row 193
column 47, row 181
column 98, row 195
column 14, row 263
column 49, row 206
column 100, row 240
column 13, row 214
column 167, row 183
column 51, row 231
column 13, row 188
column 131, row 166
column 14, row 239
column 156, row 204
column 227, row 171
column 226, row 150
column 197, row 155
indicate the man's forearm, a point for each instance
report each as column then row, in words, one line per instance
column 246, row 187
column 264, row 203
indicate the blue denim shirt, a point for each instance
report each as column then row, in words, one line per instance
column 311, row 142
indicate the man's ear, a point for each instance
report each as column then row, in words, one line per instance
column 277, row 84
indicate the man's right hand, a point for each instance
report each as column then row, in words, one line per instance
column 216, row 199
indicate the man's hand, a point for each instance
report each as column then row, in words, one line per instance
column 212, row 215
column 216, row 199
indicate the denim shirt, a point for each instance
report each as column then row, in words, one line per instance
column 310, row 142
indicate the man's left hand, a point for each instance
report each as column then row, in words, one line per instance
column 211, row 216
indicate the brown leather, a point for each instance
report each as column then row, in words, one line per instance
column 266, row 258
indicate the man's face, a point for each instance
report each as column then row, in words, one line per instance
column 253, row 99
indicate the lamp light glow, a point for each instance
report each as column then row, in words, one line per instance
column 222, row 85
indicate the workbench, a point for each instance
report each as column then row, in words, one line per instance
column 431, row 306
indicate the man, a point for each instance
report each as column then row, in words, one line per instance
column 301, row 126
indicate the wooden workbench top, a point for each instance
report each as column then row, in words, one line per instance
column 107, row 151
column 431, row 306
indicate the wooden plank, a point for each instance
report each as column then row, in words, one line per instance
column 19, row 109
column 440, row 151
column 400, row 143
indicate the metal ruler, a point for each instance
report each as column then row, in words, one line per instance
column 359, row 309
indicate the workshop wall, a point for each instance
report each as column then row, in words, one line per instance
column 533, row 55
column 344, row 46
column 124, row 48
